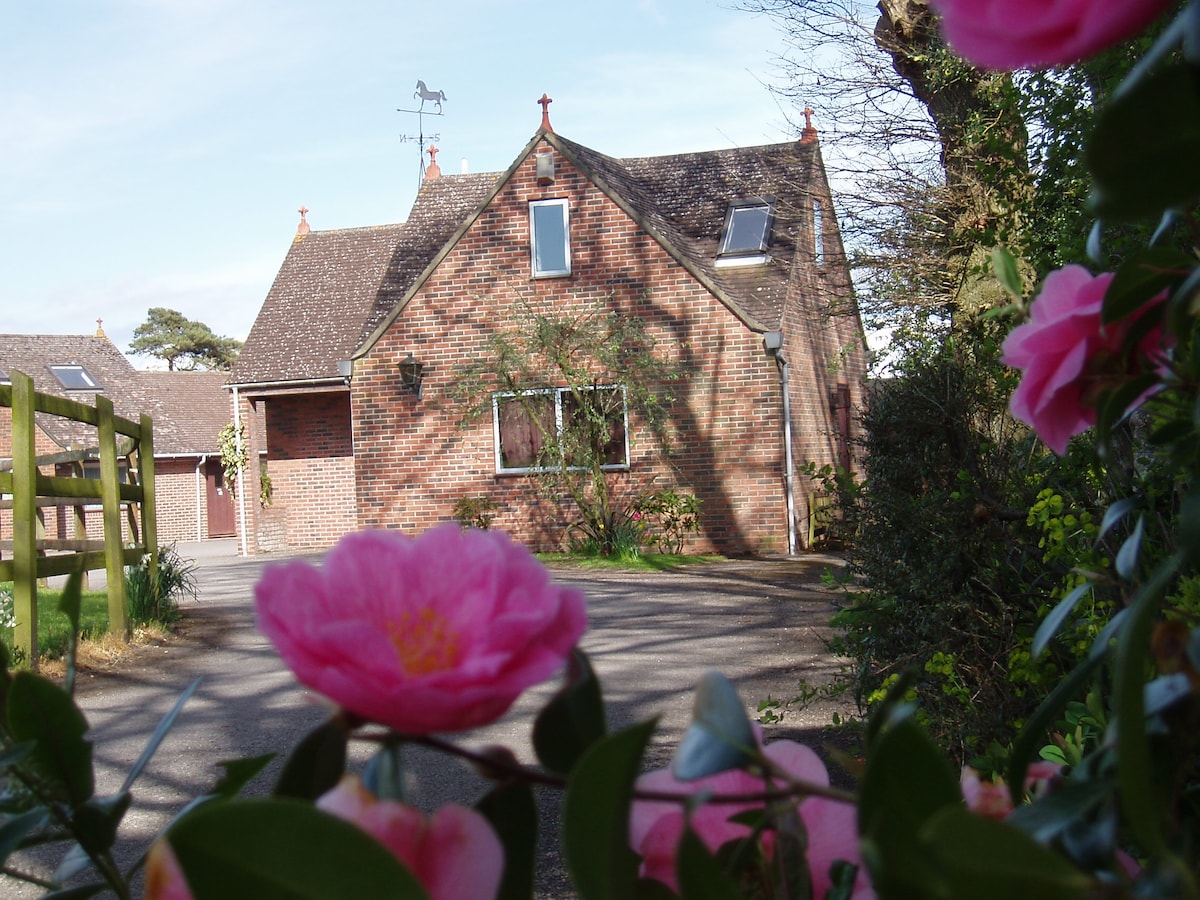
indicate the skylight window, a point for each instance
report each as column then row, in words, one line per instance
column 4, row 379
column 746, row 234
column 74, row 378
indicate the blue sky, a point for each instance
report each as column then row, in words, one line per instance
column 155, row 152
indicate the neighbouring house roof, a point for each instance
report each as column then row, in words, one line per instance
column 335, row 286
column 337, row 290
column 188, row 408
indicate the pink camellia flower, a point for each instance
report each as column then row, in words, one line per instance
column 656, row 826
column 454, row 852
column 436, row 633
column 993, row 798
column 1068, row 356
column 1032, row 34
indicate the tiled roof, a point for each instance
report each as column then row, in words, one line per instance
column 184, row 405
column 335, row 286
column 682, row 200
column 189, row 410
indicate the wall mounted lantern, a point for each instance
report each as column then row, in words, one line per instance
column 410, row 373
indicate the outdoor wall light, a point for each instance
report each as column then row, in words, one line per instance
column 410, row 373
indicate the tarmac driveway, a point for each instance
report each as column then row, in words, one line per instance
column 763, row 623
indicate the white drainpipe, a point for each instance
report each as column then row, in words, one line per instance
column 200, row 498
column 241, row 480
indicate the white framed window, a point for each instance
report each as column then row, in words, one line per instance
column 74, row 378
column 593, row 420
column 746, row 234
column 550, row 238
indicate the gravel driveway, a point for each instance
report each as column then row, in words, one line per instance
column 651, row 635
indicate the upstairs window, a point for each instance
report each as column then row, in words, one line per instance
column 746, row 233
column 818, row 233
column 550, row 238
column 536, row 430
column 74, row 378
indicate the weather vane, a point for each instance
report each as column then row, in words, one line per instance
column 425, row 95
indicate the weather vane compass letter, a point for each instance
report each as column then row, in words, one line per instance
column 425, row 95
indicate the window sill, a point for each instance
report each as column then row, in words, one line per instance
column 729, row 262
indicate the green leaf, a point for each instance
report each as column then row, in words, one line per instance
column 97, row 820
column 513, row 813
column 1074, row 799
column 1004, row 264
column 1113, row 405
column 1115, row 512
column 1182, row 302
column 160, row 732
column 40, row 711
column 720, row 737
column 596, row 815
column 15, row 829
column 69, row 604
column 699, row 873
column 384, row 775
column 1189, row 525
column 1033, row 734
column 316, row 764
column 984, row 859
column 1139, row 167
column 573, row 720
column 1140, row 279
column 1138, row 794
column 1127, row 556
column 77, row 893
column 906, row 782
column 238, row 773
column 1054, row 621
column 268, row 849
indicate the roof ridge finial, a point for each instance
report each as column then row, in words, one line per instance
column 303, row 228
column 100, row 329
column 545, row 102
column 434, row 171
column 809, row 134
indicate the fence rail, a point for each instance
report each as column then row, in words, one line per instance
column 27, row 492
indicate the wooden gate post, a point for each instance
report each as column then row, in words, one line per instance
column 110, row 497
column 24, row 518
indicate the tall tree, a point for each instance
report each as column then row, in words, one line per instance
column 182, row 343
column 927, row 154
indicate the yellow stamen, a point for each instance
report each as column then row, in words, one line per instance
column 424, row 642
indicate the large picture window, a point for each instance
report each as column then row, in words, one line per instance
column 550, row 238
column 536, row 430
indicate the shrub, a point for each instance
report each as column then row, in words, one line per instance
column 960, row 546
column 157, row 599
column 667, row 517
column 475, row 512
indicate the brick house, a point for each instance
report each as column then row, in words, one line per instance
column 732, row 258
column 188, row 410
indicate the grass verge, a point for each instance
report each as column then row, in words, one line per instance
column 54, row 629
column 644, row 562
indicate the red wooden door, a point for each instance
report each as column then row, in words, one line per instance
column 221, row 521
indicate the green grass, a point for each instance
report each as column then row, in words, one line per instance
column 645, row 562
column 54, row 631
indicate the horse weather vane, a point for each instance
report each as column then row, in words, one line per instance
column 425, row 95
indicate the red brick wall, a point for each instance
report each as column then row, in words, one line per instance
column 305, row 441
column 824, row 346
column 175, row 500
column 412, row 460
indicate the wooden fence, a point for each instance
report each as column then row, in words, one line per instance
column 27, row 492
